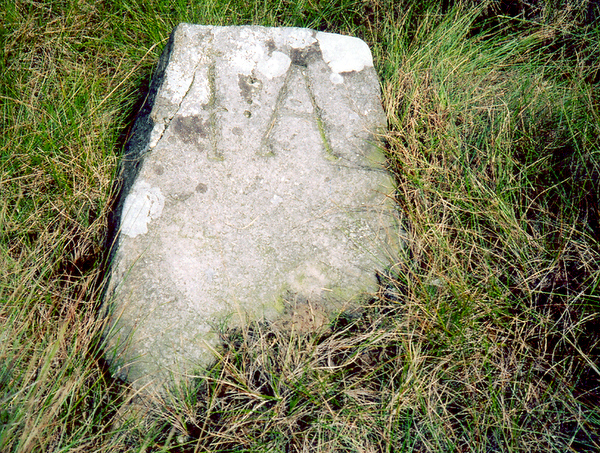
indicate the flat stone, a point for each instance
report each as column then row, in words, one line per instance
column 252, row 180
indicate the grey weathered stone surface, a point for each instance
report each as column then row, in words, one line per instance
column 251, row 177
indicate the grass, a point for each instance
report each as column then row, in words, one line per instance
column 484, row 335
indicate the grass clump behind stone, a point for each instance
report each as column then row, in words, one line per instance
column 483, row 336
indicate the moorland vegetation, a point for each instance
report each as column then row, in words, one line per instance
column 484, row 335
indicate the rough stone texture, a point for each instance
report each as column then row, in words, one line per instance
column 251, row 179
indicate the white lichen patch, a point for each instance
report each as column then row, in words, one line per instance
column 275, row 66
column 143, row 204
column 344, row 53
column 299, row 38
column 250, row 50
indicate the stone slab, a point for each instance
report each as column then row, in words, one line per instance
column 252, row 179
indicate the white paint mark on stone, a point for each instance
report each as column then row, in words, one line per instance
column 299, row 38
column 143, row 204
column 344, row 53
column 275, row 66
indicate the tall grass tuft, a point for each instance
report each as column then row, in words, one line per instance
column 485, row 333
